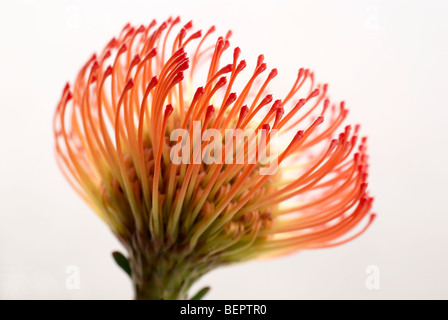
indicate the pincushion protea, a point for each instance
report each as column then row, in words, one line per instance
column 179, row 220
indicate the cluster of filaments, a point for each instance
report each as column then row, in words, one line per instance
column 113, row 143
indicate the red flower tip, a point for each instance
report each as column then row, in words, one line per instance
column 333, row 144
column 243, row 112
column 230, row 99
column 196, row 35
column 163, row 26
column 300, row 103
column 176, row 21
column 199, row 92
column 313, row 94
column 236, row 53
column 266, row 100
column 326, row 104
column 179, row 77
column 184, row 65
column 106, row 55
column 136, row 60
column 182, row 33
column 273, row 74
column 112, row 43
column 151, row 54
column 241, row 66
column 108, row 71
column 277, row 104
column 299, row 135
column 226, row 69
column 319, row 120
column 279, row 113
column 153, row 82
column 221, row 82
column 122, row 49
column 266, row 127
column 261, row 68
column 129, row 84
column 152, row 24
column 188, row 25
column 210, row 111
column 168, row 110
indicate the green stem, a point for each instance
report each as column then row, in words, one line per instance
column 168, row 286
column 162, row 276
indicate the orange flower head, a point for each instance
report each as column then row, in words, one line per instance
column 153, row 135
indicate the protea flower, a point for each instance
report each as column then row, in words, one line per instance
column 114, row 143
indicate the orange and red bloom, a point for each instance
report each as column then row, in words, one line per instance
column 179, row 220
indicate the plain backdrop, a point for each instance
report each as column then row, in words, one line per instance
column 387, row 59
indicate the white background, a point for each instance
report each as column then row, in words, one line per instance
column 387, row 59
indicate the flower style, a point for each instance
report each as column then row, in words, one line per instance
column 113, row 131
